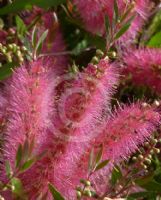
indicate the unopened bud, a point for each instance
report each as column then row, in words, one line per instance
column 149, row 156
column 146, row 144
column 87, row 183
column 87, row 193
column 154, row 141
column 79, row 194
column 156, row 150
column 156, row 103
column 134, row 158
column 99, row 53
column 145, row 167
column 94, row 60
column 147, row 161
column 140, row 157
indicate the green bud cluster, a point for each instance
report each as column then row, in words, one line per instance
column 97, row 57
column 112, row 54
column 84, row 191
column 144, row 158
column 14, row 53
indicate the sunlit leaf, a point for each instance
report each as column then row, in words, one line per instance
column 155, row 41
column 40, row 42
column 21, row 27
column 27, row 165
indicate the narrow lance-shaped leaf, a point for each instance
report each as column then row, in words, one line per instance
column 101, row 165
column 116, row 11
column 91, row 160
column 107, row 24
column 124, row 28
column 8, row 169
column 40, row 42
column 21, row 27
column 56, row 195
column 33, row 36
column 19, row 155
column 116, row 175
column 27, row 165
column 99, row 155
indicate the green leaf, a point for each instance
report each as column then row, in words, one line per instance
column 27, row 165
column 155, row 41
column 151, row 186
column 40, row 42
column 6, row 70
column 19, row 5
column 122, row 31
column 116, row 11
column 19, row 155
column 25, row 150
column 8, row 169
column 145, row 195
column 17, row 188
column 116, row 175
column 124, row 28
column 101, row 165
column 96, row 41
column 91, row 160
column 21, row 27
column 33, row 36
column 107, row 24
column 99, row 155
column 56, row 195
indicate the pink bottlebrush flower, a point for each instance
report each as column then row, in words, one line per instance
column 144, row 66
column 86, row 106
column 128, row 128
column 29, row 107
column 3, row 118
column 93, row 14
column 94, row 84
column 142, row 9
column 59, row 162
column 3, row 104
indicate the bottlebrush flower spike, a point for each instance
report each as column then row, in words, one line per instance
column 128, row 128
column 93, row 13
column 29, row 107
column 92, row 92
column 144, row 63
column 65, row 149
column 3, row 118
column 82, row 103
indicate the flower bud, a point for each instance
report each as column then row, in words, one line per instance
column 94, row 60
column 87, row 193
column 99, row 53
